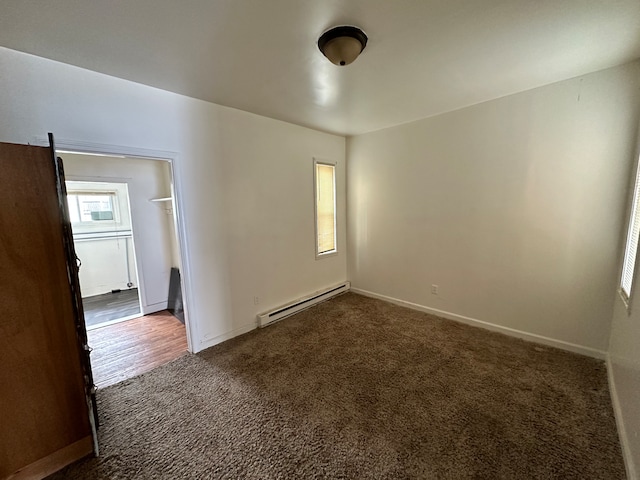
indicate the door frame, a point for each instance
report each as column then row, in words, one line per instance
column 75, row 146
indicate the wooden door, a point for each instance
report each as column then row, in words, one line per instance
column 45, row 402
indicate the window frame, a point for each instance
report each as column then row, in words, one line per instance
column 334, row 164
column 633, row 215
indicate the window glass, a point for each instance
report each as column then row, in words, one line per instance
column 325, row 208
column 91, row 207
column 631, row 247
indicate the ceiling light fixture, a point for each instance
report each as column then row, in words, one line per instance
column 342, row 45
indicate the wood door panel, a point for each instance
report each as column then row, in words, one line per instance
column 42, row 399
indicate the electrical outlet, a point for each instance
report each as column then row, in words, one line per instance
column 434, row 289
column 256, row 300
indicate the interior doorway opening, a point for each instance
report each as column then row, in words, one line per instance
column 126, row 236
column 104, row 242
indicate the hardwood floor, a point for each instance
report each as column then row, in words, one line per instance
column 110, row 306
column 127, row 349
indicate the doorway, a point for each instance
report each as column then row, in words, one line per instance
column 126, row 208
column 103, row 236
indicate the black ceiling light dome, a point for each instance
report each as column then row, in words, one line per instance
column 342, row 45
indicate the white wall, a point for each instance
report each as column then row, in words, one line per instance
column 152, row 229
column 624, row 360
column 513, row 207
column 246, row 182
column 624, row 372
column 108, row 262
column 105, row 266
column 168, row 209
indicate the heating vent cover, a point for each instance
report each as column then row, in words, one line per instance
column 296, row 306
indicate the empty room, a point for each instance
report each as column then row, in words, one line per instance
column 406, row 235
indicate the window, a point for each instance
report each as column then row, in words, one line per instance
column 631, row 246
column 88, row 207
column 325, row 205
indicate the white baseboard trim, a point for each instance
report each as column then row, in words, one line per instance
column 209, row 341
column 532, row 337
column 622, row 432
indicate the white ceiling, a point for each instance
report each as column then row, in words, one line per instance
column 424, row 56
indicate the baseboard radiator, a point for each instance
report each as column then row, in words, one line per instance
column 289, row 309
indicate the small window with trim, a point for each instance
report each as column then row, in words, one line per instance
column 631, row 245
column 90, row 207
column 325, row 207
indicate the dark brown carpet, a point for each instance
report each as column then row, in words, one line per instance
column 359, row 388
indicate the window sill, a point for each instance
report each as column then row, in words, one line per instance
column 325, row 255
column 625, row 300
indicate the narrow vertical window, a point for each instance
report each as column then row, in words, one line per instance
column 325, row 206
column 631, row 246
